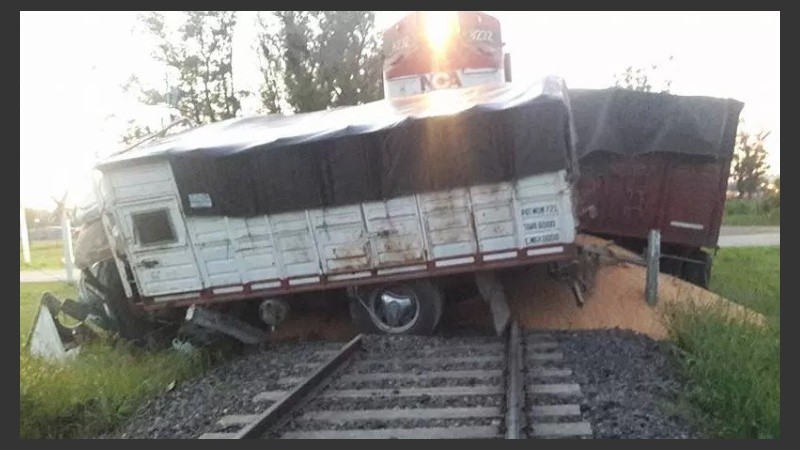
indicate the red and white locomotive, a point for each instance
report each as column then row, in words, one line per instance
column 431, row 50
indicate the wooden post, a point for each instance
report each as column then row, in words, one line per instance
column 23, row 236
column 66, row 237
column 653, row 258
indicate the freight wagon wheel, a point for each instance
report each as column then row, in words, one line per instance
column 412, row 307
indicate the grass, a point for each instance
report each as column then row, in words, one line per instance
column 749, row 276
column 44, row 255
column 746, row 220
column 733, row 365
column 97, row 391
column 734, row 368
column 752, row 212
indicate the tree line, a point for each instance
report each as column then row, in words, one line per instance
column 309, row 60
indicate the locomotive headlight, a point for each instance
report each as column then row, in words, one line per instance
column 440, row 27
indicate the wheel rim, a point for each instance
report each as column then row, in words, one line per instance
column 395, row 309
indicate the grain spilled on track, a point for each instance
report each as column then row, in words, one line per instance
column 540, row 302
column 616, row 301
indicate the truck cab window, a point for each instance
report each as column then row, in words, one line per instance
column 153, row 227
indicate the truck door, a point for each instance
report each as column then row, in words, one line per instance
column 161, row 259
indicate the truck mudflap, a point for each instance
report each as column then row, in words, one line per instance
column 492, row 292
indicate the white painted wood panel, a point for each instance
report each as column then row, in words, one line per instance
column 453, row 225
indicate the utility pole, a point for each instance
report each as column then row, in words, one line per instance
column 23, row 236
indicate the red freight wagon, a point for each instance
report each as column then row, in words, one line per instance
column 655, row 161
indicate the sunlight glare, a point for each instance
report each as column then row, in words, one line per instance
column 440, row 27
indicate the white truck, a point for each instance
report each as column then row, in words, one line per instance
column 380, row 199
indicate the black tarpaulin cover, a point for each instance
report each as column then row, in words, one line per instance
column 630, row 123
column 376, row 151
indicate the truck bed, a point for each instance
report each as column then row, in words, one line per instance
column 217, row 258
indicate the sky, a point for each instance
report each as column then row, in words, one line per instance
column 72, row 64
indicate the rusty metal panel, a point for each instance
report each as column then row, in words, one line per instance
column 399, row 249
column 341, row 237
column 682, row 196
column 394, row 231
column 493, row 211
column 695, row 201
column 447, row 222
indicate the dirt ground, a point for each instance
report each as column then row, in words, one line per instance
column 310, row 326
column 538, row 301
column 323, row 316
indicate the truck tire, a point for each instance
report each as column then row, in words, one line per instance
column 698, row 274
column 402, row 308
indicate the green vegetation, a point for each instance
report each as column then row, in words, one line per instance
column 749, row 276
column 44, row 255
column 734, row 368
column 97, row 391
column 733, row 364
column 752, row 212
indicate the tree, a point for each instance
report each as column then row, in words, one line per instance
column 135, row 132
column 312, row 60
column 640, row 78
column 749, row 163
column 198, row 57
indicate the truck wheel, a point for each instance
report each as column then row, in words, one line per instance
column 409, row 307
column 698, row 274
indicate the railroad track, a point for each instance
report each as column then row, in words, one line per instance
column 460, row 388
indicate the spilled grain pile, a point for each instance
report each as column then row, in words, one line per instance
column 616, row 300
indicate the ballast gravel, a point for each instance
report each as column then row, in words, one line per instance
column 626, row 379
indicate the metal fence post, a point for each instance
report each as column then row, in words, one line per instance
column 653, row 258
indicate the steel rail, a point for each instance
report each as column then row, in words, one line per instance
column 515, row 387
column 282, row 409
